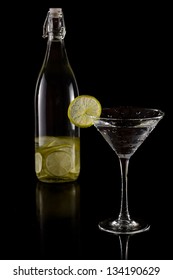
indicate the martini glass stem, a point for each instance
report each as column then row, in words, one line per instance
column 124, row 212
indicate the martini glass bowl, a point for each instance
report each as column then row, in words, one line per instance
column 125, row 129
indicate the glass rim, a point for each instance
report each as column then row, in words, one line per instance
column 160, row 115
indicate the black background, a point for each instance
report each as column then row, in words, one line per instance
column 121, row 54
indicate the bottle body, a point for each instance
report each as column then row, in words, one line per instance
column 57, row 141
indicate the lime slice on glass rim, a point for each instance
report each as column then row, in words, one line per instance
column 82, row 110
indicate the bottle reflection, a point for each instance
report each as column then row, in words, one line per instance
column 58, row 212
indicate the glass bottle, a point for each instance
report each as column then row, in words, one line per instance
column 57, row 140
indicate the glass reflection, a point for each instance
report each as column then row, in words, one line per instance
column 58, row 212
column 124, row 246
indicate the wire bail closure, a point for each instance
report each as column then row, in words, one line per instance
column 54, row 13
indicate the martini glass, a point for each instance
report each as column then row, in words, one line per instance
column 125, row 129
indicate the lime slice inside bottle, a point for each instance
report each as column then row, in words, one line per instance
column 38, row 162
column 59, row 163
column 82, row 110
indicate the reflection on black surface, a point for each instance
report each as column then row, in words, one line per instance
column 58, row 212
column 124, row 246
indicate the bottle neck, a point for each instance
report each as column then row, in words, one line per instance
column 56, row 51
column 54, row 29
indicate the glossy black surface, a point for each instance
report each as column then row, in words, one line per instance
column 51, row 221
column 122, row 59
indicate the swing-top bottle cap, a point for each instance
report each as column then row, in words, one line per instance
column 57, row 26
column 55, row 12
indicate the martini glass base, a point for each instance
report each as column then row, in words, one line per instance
column 123, row 226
